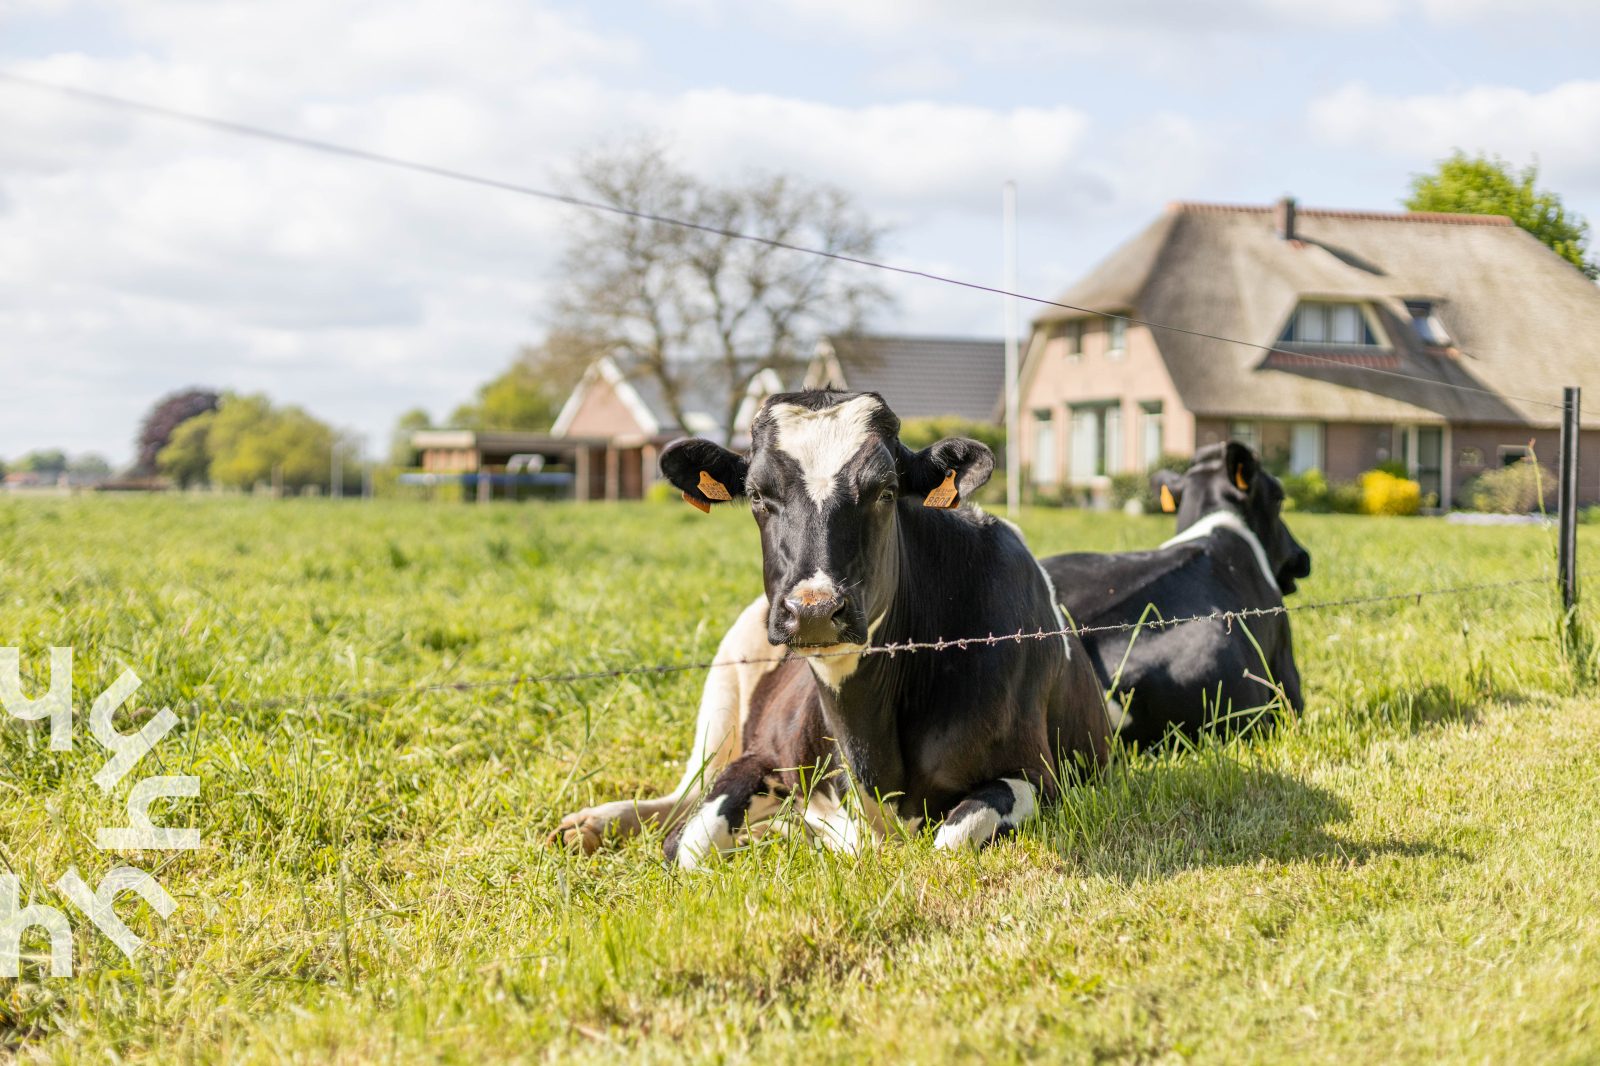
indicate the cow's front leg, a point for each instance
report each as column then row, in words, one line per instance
column 991, row 810
column 748, row 791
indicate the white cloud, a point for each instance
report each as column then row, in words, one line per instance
column 138, row 255
column 918, row 74
column 1561, row 125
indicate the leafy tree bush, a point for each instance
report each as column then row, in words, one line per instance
column 1484, row 186
column 529, row 394
column 401, row 453
column 1515, row 489
column 244, row 440
column 918, row 433
column 184, row 458
column 169, row 412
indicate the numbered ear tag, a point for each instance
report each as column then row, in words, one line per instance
column 945, row 494
column 703, row 505
column 1168, row 504
column 1238, row 479
column 713, row 489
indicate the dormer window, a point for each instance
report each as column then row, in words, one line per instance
column 1116, row 338
column 1426, row 323
column 1326, row 322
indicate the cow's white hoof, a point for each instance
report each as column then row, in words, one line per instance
column 975, row 828
column 705, row 837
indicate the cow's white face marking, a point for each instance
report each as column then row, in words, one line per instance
column 822, row 442
column 978, row 823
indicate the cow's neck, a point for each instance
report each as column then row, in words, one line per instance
column 1226, row 519
column 859, row 692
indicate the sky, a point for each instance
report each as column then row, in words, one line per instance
column 139, row 256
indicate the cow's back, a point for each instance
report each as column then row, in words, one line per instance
column 1190, row 675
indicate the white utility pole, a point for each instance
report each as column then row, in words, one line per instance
column 1013, row 422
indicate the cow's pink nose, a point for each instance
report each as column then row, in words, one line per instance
column 815, row 619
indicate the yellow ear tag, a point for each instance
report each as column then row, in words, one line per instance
column 945, row 494
column 1168, row 504
column 703, row 505
column 713, row 489
column 1238, row 479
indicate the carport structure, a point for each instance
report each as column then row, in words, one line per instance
column 481, row 461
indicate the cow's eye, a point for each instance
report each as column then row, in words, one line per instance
column 886, row 496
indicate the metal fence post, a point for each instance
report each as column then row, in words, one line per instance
column 1568, row 554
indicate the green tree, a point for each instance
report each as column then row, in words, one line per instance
column 249, row 437
column 401, row 453
column 44, row 461
column 185, row 458
column 529, row 394
column 1462, row 185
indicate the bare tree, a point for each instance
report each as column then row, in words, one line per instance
column 676, row 303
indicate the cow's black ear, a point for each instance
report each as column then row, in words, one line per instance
column 948, row 471
column 705, row 472
column 1241, row 464
column 1168, row 487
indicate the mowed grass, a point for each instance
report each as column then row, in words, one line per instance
column 1407, row 872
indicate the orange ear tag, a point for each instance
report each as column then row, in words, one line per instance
column 703, row 505
column 1168, row 504
column 945, row 494
column 1238, row 479
column 713, row 489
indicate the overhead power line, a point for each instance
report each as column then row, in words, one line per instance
column 330, row 148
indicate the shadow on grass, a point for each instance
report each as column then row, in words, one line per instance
column 1155, row 816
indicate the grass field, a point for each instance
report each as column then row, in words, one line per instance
column 1406, row 873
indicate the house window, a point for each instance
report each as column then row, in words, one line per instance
column 1305, row 447
column 1328, row 323
column 1096, row 441
column 1149, row 434
column 1085, row 443
column 1113, row 440
column 1116, row 338
column 1426, row 323
column 1510, row 454
column 1245, row 433
column 1071, row 336
column 1044, row 448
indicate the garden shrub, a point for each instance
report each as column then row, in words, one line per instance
column 1514, row 489
column 1383, row 493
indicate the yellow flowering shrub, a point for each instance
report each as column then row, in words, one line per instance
column 1383, row 493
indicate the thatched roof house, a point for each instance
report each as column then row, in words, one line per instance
column 1369, row 336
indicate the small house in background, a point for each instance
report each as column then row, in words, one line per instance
column 1438, row 341
column 918, row 377
column 624, row 422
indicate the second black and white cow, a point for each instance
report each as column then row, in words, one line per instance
column 862, row 543
column 1232, row 553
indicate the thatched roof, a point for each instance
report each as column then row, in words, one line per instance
column 1522, row 321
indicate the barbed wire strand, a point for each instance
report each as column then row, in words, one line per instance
column 961, row 644
column 330, row 148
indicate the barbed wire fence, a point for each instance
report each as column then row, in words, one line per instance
column 1567, row 575
column 1227, row 618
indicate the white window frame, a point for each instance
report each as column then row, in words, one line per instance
column 1116, row 329
column 1317, row 432
column 1045, row 452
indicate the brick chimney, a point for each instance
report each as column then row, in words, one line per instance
column 1286, row 218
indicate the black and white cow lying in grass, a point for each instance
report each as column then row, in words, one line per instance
column 863, row 543
column 1232, row 552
